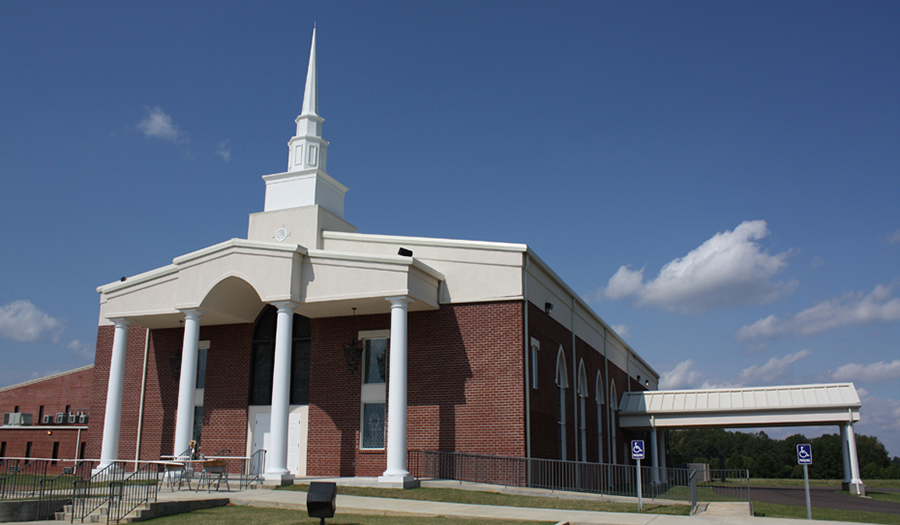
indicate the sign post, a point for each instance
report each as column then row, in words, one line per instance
column 637, row 453
column 804, row 457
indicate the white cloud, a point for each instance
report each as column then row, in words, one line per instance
column 82, row 349
column 894, row 238
column 224, row 151
column 880, row 371
column 621, row 329
column 881, row 417
column 160, row 125
column 854, row 308
column 22, row 321
column 728, row 269
column 680, row 377
column 770, row 373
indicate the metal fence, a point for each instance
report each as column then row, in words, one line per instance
column 139, row 487
column 689, row 485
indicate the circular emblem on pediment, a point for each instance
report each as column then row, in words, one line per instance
column 281, row 234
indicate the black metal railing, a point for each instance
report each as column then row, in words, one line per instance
column 90, row 494
column 21, row 478
column 138, row 488
column 578, row 476
column 56, row 492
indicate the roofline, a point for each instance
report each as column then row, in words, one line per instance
column 581, row 302
column 46, row 378
column 426, row 241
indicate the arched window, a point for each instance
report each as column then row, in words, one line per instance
column 562, row 383
column 263, row 358
column 598, row 397
column 613, row 407
column 582, row 409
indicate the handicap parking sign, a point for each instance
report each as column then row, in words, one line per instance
column 637, row 449
column 804, row 454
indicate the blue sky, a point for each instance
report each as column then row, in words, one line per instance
column 718, row 179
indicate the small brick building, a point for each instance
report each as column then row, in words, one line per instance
column 47, row 417
column 338, row 351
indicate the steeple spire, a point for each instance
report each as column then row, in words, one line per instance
column 311, row 94
column 305, row 182
column 307, row 149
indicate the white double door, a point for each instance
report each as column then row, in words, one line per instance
column 296, row 451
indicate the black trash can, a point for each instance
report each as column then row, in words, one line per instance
column 320, row 500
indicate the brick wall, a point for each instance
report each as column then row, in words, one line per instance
column 464, row 394
column 225, row 399
column 545, row 399
column 54, row 394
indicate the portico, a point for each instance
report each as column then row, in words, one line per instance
column 775, row 406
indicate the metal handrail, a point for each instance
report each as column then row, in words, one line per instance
column 22, row 482
column 90, row 494
column 578, row 476
column 252, row 468
column 132, row 492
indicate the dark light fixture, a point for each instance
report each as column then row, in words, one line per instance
column 548, row 307
column 353, row 351
column 404, row 252
column 320, row 500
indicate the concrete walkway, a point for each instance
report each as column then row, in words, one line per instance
column 716, row 514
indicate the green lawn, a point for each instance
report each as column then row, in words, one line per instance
column 774, row 510
column 789, row 482
column 268, row 516
column 509, row 500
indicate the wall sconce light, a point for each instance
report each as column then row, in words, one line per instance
column 49, row 432
column 647, row 383
column 404, row 252
column 353, row 351
column 548, row 307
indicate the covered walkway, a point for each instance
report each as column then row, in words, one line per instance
column 774, row 406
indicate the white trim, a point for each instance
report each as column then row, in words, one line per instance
column 375, row 258
column 562, row 376
column 425, row 241
column 374, row 334
column 45, row 378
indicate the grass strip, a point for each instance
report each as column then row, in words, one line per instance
column 269, row 516
column 472, row 497
column 774, row 510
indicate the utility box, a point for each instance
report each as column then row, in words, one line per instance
column 320, row 500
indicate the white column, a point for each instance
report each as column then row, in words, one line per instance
column 856, row 484
column 187, row 383
column 276, row 458
column 845, row 456
column 396, row 415
column 663, row 477
column 112, row 420
column 654, row 457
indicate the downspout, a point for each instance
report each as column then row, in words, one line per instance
column 575, row 405
column 528, row 380
column 137, row 448
column 608, row 400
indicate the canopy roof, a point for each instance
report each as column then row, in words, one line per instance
column 795, row 405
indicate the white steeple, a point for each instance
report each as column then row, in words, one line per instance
column 308, row 139
column 305, row 182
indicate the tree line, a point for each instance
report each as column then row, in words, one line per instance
column 765, row 457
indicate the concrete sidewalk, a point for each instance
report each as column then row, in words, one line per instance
column 722, row 513
column 264, row 497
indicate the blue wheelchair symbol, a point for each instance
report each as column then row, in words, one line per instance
column 637, row 449
column 804, row 454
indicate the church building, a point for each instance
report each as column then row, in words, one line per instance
column 338, row 351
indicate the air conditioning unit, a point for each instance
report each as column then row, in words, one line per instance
column 47, row 419
column 73, row 418
column 60, row 418
column 83, row 418
column 16, row 419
